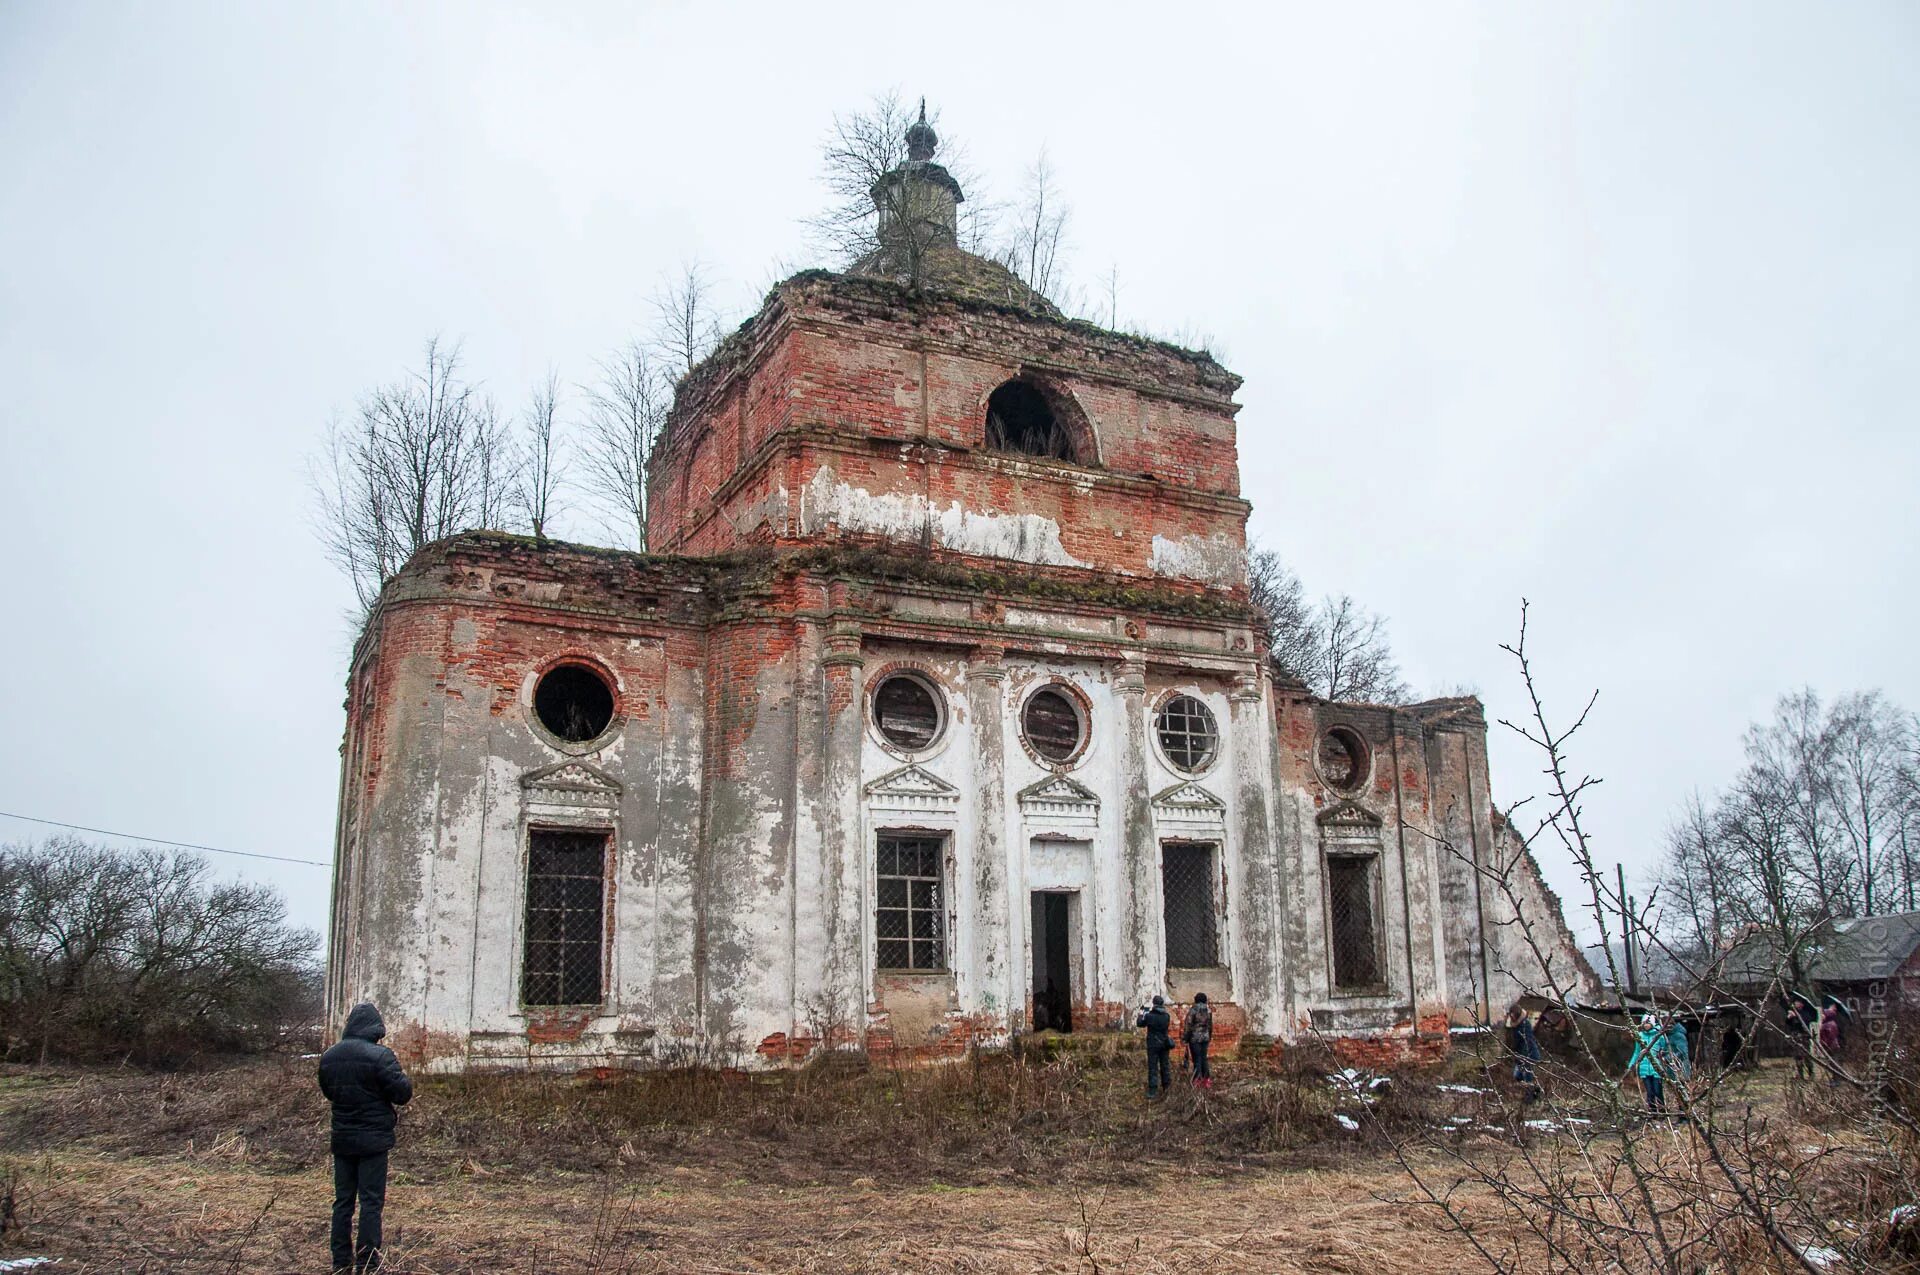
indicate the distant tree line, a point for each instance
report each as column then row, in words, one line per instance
column 143, row 956
column 1821, row 821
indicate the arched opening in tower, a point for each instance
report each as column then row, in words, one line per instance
column 1020, row 420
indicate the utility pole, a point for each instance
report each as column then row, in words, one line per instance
column 1626, row 924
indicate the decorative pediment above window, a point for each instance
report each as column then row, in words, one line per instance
column 1349, row 821
column 570, row 788
column 913, row 791
column 1059, row 800
column 1189, row 806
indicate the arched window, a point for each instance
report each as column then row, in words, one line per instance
column 1020, row 420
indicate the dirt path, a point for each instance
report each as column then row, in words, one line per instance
column 159, row 1214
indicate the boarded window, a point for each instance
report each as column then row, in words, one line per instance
column 1356, row 950
column 566, row 901
column 1193, row 930
column 1188, row 736
column 1052, row 725
column 906, row 712
column 909, row 920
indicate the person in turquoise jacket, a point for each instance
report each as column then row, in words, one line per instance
column 1650, row 1052
column 1679, row 1051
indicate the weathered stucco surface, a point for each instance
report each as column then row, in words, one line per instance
column 829, row 517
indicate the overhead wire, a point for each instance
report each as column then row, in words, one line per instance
column 162, row 841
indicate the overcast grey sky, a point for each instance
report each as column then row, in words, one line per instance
column 1613, row 307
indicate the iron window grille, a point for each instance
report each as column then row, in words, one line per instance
column 1188, row 735
column 566, row 902
column 1192, row 927
column 909, row 918
column 1350, row 916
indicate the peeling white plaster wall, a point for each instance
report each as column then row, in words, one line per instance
column 826, row 502
column 1214, row 559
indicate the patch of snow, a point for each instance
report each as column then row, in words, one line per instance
column 1903, row 1214
column 1820, row 1255
column 1347, row 1122
column 25, row 1263
column 1460, row 1089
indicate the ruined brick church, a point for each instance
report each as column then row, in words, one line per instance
column 936, row 715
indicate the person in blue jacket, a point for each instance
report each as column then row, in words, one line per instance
column 1679, row 1052
column 1649, row 1060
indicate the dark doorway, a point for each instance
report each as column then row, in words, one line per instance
column 1052, row 977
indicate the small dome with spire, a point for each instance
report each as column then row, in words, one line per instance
column 922, row 141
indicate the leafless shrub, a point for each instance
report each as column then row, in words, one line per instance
column 1715, row 1182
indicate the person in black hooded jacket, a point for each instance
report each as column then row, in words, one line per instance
column 1156, row 1020
column 363, row 1081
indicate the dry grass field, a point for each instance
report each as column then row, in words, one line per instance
column 1003, row 1165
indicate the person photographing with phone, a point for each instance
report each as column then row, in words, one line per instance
column 1157, row 1021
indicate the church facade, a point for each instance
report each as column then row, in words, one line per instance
column 936, row 715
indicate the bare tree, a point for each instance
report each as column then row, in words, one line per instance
column 425, row 456
column 542, row 462
column 688, row 325
column 1035, row 252
column 1870, row 793
column 1280, row 602
column 863, row 152
column 1354, row 660
column 626, row 406
column 140, row 954
column 1336, row 647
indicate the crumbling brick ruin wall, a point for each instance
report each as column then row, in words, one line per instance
column 850, row 410
column 694, row 875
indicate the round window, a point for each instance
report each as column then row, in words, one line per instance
column 574, row 702
column 1187, row 733
column 907, row 712
column 1053, row 726
column 1343, row 758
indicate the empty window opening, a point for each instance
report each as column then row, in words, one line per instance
column 1052, row 970
column 909, row 921
column 1192, row 925
column 1052, row 725
column 907, row 713
column 1343, row 758
column 1019, row 419
column 1188, row 736
column 1356, row 950
column 566, row 899
column 573, row 702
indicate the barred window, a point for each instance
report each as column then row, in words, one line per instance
column 1356, row 950
column 1193, row 932
column 566, row 897
column 1187, row 733
column 909, row 916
